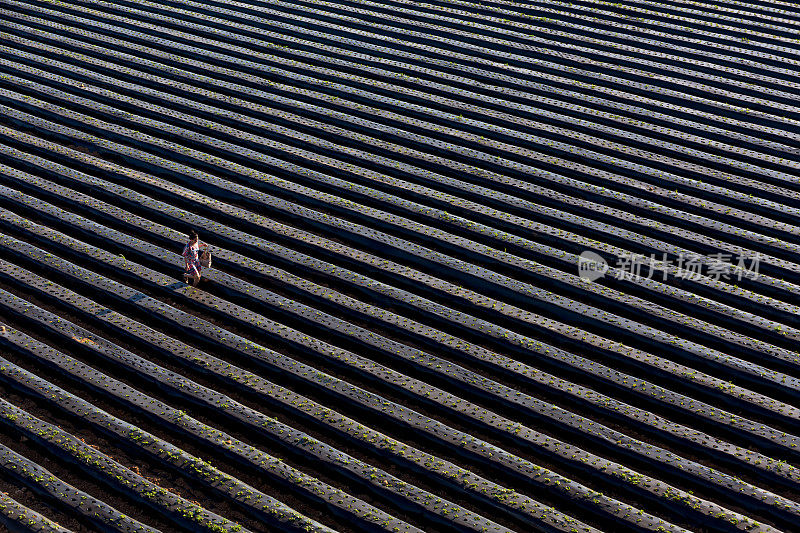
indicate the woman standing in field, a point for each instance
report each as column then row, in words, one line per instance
column 191, row 258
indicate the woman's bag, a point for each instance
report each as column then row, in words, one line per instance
column 205, row 258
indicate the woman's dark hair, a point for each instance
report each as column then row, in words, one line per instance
column 193, row 235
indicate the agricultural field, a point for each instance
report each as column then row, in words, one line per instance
column 478, row 266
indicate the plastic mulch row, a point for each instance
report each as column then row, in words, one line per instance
column 181, row 216
column 257, row 503
column 573, row 83
column 516, row 221
column 307, row 446
column 752, row 12
column 329, row 17
column 530, row 139
column 629, row 329
column 467, row 52
column 394, row 349
column 663, row 454
column 616, row 471
column 73, row 449
column 721, row 189
column 504, row 284
column 655, row 243
column 481, row 40
column 717, row 228
column 720, row 289
column 18, row 517
column 486, row 34
column 444, row 44
column 363, row 435
column 533, row 139
column 44, row 483
column 260, row 197
column 339, row 501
